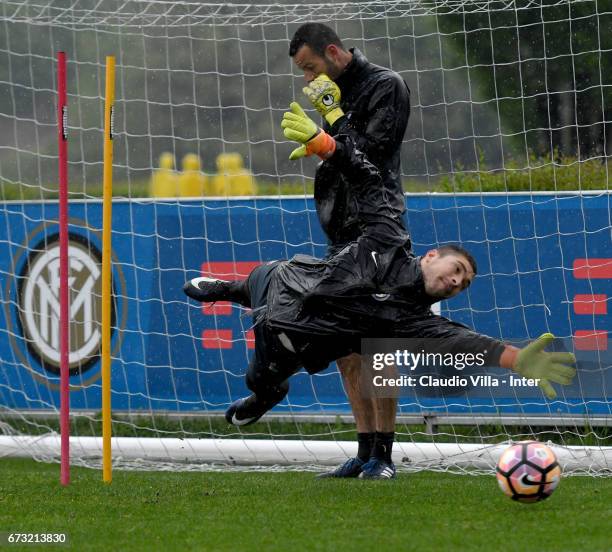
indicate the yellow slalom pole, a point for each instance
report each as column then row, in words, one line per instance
column 107, row 467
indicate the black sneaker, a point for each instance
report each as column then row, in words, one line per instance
column 375, row 468
column 351, row 468
column 245, row 411
column 210, row 290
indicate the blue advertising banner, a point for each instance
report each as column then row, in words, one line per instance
column 545, row 264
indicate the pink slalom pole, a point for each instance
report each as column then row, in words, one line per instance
column 64, row 295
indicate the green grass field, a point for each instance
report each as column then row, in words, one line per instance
column 294, row 511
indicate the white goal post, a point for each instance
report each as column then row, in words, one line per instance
column 507, row 153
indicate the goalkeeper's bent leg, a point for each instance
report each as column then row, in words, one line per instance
column 272, row 364
column 271, row 367
column 269, row 383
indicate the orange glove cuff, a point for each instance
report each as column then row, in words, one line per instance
column 322, row 145
column 508, row 357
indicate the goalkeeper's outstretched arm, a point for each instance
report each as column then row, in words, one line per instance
column 531, row 362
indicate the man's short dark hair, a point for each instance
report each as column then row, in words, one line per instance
column 316, row 35
column 455, row 249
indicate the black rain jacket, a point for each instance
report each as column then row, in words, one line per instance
column 376, row 103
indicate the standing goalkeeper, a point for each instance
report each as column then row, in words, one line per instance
column 372, row 105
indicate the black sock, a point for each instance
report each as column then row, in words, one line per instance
column 366, row 442
column 383, row 445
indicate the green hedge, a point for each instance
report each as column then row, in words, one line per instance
column 565, row 173
column 541, row 175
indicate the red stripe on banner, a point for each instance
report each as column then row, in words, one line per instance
column 221, row 308
column 593, row 268
column 217, row 339
column 229, row 270
column 591, row 340
column 225, row 270
column 591, row 304
column 250, row 339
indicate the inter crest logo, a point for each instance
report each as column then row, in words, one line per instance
column 38, row 303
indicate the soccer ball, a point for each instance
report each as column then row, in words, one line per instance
column 528, row 471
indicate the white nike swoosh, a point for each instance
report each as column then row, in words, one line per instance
column 238, row 422
column 374, row 257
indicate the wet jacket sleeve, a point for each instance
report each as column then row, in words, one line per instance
column 388, row 112
column 355, row 166
column 364, row 178
column 453, row 337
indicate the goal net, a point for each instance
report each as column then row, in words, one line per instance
column 506, row 153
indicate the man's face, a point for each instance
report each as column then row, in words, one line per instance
column 313, row 65
column 445, row 275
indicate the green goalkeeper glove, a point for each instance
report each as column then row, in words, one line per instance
column 299, row 127
column 324, row 95
column 534, row 363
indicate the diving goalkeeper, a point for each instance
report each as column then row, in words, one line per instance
column 289, row 336
column 308, row 313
